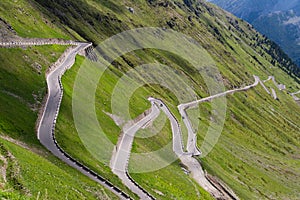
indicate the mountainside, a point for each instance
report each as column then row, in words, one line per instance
column 257, row 154
column 247, row 9
column 277, row 19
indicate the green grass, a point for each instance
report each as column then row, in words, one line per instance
column 22, row 88
column 32, row 172
column 256, row 158
column 257, row 152
column 68, row 138
column 245, row 123
column 67, row 135
column 12, row 195
column 171, row 183
column 28, row 21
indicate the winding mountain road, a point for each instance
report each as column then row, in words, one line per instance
column 192, row 136
column 119, row 162
column 186, row 158
column 178, row 146
column 124, row 146
column 125, row 143
column 47, row 122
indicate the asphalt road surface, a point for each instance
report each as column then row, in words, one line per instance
column 119, row 161
column 192, row 136
column 48, row 120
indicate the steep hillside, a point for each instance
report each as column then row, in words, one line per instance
column 25, row 173
column 277, row 19
column 245, row 9
column 239, row 52
column 28, row 171
column 257, row 155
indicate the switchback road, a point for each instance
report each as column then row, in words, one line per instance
column 47, row 122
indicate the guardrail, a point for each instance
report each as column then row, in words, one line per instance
column 179, row 128
column 137, row 185
column 76, row 162
column 37, row 42
column 125, row 172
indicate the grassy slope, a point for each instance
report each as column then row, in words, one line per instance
column 22, row 83
column 257, row 152
column 19, row 80
column 29, row 19
column 25, row 18
column 171, row 177
column 28, row 173
column 237, row 61
column 22, row 88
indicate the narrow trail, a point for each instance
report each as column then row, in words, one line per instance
column 192, row 163
column 178, row 146
column 278, row 86
column 265, row 88
column 274, row 95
